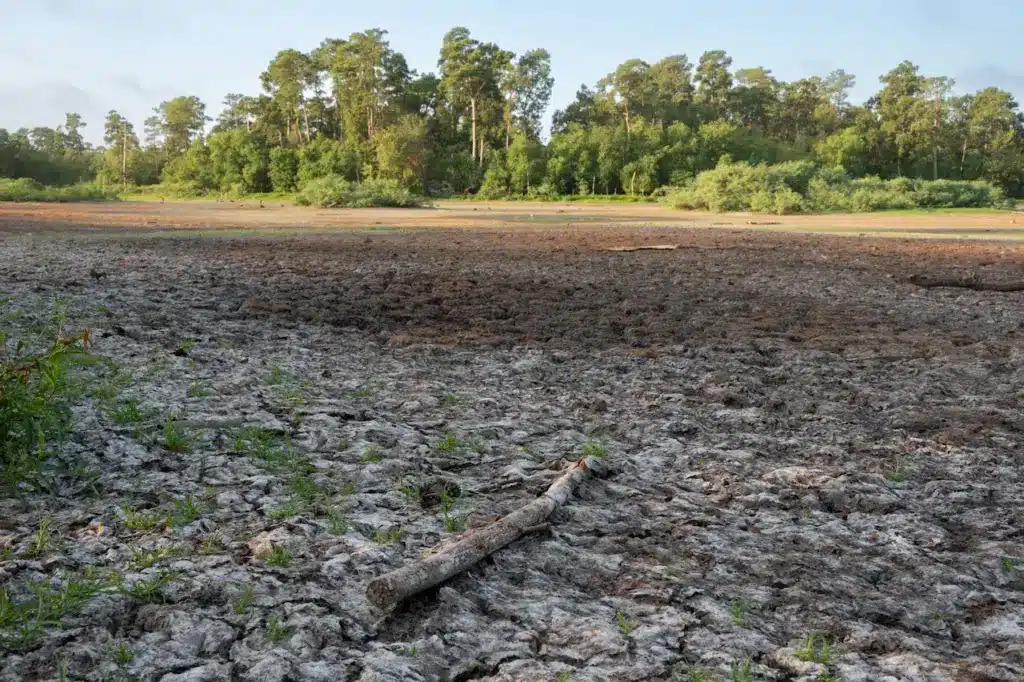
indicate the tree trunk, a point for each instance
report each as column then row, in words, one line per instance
column 124, row 156
column 472, row 116
column 305, row 113
column 935, row 162
column 963, row 158
column 508, row 123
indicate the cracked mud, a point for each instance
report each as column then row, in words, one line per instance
column 816, row 466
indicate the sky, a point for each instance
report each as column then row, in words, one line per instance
column 91, row 56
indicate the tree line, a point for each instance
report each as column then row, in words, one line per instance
column 355, row 110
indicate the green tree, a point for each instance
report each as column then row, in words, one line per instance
column 285, row 80
column 714, row 81
column 525, row 164
column 284, row 169
column 403, row 152
column 526, row 84
column 176, row 124
column 369, row 81
column 672, row 79
column 72, row 133
column 897, row 106
column 632, row 88
column 754, row 100
column 469, row 76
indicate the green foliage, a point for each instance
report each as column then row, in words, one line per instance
column 643, row 127
column 452, row 523
column 595, row 449
column 336, row 192
column 25, row 617
column 240, row 602
column 35, row 398
column 626, row 626
column 123, row 655
column 24, row 189
column 142, row 521
column 186, row 510
column 151, row 590
column 388, row 537
column 284, row 169
column 449, row 444
column 143, row 558
column 279, row 557
column 814, row 650
column 176, row 438
column 741, row 672
column 800, row 186
column 127, row 412
column 276, row 629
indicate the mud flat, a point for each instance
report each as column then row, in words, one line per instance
column 815, row 464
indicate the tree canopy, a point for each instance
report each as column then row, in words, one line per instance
column 354, row 108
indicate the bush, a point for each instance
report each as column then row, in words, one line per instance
column 336, row 192
column 800, row 186
column 24, row 189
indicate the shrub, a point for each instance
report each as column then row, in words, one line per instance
column 336, row 192
column 24, row 189
column 800, row 186
column 34, row 402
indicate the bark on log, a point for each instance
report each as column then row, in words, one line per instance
column 969, row 282
column 407, row 581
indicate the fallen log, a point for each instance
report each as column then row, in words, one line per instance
column 653, row 247
column 966, row 282
column 432, row 570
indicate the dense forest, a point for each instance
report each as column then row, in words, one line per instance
column 354, row 108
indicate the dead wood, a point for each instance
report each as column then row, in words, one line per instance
column 966, row 282
column 653, row 247
column 434, row 569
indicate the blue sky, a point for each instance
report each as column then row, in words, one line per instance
column 91, row 56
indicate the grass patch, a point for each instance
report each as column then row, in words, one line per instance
column 143, row 558
column 127, row 412
column 186, row 510
column 276, row 629
column 197, row 390
column 595, row 449
column 388, row 537
column 814, row 650
column 279, row 557
column 24, row 619
column 452, row 523
column 450, row 444
column 44, row 541
column 176, row 438
column 151, row 590
column 240, row 602
column 142, row 521
column 626, row 626
column 738, row 610
column 741, row 672
column 371, row 454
